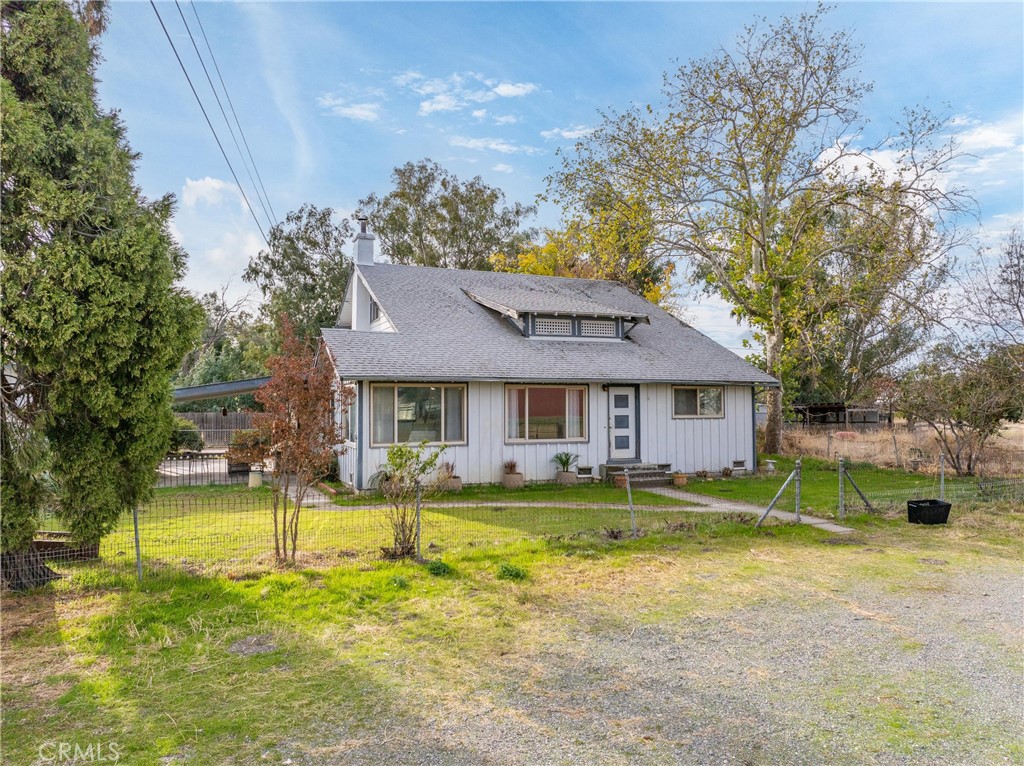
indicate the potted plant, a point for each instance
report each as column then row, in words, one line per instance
column 679, row 479
column 447, row 481
column 510, row 476
column 565, row 462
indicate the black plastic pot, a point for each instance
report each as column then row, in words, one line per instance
column 928, row 511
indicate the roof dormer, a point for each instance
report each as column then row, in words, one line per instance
column 559, row 317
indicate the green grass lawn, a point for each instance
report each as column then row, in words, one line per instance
column 353, row 657
column 230, row 528
column 531, row 493
column 819, row 492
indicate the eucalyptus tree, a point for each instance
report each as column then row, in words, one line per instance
column 431, row 218
column 304, row 271
column 751, row 151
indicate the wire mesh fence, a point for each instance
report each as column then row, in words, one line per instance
column 208, row 515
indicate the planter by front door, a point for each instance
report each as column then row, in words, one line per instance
column 622, row 430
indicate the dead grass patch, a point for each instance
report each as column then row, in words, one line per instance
column 1004, row 455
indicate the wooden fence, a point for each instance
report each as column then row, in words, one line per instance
column 217, row 428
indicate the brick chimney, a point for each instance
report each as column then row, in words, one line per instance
column 364, row 245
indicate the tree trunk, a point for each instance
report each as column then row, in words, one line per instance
column 21, row 570
column 773, row 360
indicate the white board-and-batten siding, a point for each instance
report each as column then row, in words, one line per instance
column 687, row 444
column 697, row 444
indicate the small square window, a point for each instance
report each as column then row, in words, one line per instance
column 622, row 421
column 621, row 401
column 621, row 442
column 697, row 402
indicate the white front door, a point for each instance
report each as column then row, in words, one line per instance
column 622, row 423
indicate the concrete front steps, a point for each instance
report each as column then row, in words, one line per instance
column 640, row 474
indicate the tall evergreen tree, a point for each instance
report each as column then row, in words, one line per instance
column 93, row 324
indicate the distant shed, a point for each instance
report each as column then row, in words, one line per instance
column 840, row 414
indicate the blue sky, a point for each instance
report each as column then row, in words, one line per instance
column 333, row 96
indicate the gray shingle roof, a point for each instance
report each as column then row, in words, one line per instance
column 522, row 299
column 444, row 335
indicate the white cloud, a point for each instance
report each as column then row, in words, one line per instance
column 501, row 167
column 492, row 145
column 406, row 78
column 353, row 102
column 506, row 119
column 339, row 106
column 219, row 238
column 514, row 89
column 571, row 134
column 442, row 102
column 209, row 191
column 460, row 90
column 980, row 137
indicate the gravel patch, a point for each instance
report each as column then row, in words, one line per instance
column 878, row 673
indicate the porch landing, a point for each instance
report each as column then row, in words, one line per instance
column 640, row 474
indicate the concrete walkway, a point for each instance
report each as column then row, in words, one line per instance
column 697, row 504
column 712, row 504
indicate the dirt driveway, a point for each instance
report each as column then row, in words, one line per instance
column 719, row 645
column 888, row 672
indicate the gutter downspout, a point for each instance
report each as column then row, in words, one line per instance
column 359, row 436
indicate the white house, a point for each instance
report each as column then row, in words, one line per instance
column 514, row 366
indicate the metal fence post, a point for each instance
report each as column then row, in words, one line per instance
column 138, row 549
column 798, row 491
column 629, row 497
column 942, row 476
column 419, row 497
column 842, row 490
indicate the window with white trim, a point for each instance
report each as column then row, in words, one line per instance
column 402, row 414
column 697, row 402
column 546, row 413
column 374, row 311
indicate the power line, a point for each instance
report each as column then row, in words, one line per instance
column 210, row 124
column 232, row 106
column 223, row 114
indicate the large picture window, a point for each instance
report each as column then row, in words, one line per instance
column 546, row 413
column 697, row 402
column 417, row 413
